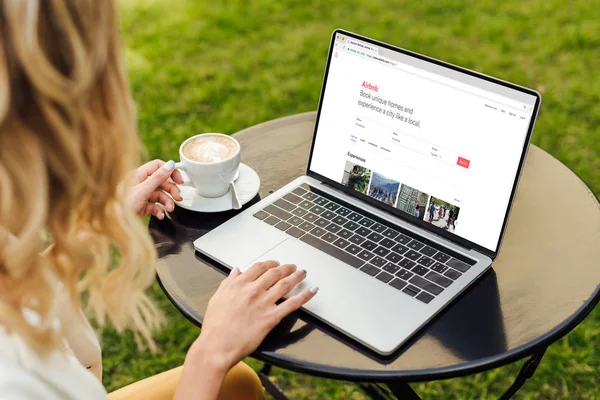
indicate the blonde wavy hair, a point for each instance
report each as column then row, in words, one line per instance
column 67, row 141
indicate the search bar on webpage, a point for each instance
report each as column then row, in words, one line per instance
column 387, row 135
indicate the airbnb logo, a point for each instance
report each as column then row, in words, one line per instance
column 367, row 85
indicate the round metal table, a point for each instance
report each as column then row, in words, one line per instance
column 543, row 284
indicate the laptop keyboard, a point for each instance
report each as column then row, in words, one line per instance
column 392, row 257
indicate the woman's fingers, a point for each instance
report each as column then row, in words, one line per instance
column 257, row 270
column 274, row 275
column 158, row 177
column 157, row 174
column 151, row 167
column 158, row 196
column 176, row 176
column 147, row 169
column 154, row 209
column 172, row 189
column 284, row 285
column 295, row 302
column 234, row 274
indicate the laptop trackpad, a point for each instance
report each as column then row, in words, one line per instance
column 348, row 299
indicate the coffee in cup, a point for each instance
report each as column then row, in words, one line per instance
column 210, row 161
column 210, row 148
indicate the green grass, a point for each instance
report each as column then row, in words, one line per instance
column 223, row 66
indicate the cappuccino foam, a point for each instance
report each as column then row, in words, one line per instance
column 210, row 149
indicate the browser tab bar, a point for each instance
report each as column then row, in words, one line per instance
column 363, row 46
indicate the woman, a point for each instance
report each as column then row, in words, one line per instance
column 67, row 140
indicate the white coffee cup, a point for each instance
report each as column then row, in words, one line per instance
column 210, row 178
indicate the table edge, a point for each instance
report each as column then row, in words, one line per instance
column 274, row 123
column 431, row 374
column 454, row 371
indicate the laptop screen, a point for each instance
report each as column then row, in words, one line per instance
column 436, row 143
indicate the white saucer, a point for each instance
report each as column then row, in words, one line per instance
column 247, row 186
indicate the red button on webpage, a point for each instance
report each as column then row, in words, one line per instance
column 463, row 162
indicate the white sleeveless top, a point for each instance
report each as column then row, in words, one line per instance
column 74, row 372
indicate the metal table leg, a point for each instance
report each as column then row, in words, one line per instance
column 402, row 390
column 526, row 372
column 390, row 391
column 375, row 391
column 269, row 386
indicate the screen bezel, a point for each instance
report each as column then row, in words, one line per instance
column 403, row 215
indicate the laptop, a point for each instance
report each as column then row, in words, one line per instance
column 412, row 171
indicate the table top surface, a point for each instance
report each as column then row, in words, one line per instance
column 544, row 282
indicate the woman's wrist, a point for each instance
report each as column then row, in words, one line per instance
column 203, row 373
column 202, row 355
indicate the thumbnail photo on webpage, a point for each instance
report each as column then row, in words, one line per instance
column 356, row 177
column 412, row 201
column 384, row 189
column 405, row 198
column 442, row 214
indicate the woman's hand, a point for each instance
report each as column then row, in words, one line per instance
column 239, row 316
column 150, row 187
column 243, row 310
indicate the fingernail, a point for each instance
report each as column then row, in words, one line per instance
column 314, row 289
column 169, row 165
column 303, row 272
column 162, row 215
column 277, row 262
